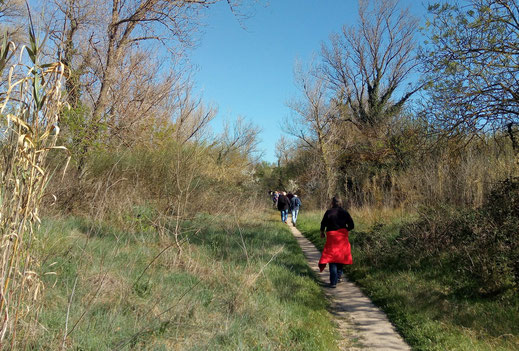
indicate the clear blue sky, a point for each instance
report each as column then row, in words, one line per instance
column 249, row 71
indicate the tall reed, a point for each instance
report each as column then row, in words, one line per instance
column 30, row 105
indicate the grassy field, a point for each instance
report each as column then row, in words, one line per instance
column 237, row 285
column 425, row 302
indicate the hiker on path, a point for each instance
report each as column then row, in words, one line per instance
column 275, row 199
column 337, row 250
column 283, row 206
column 295, row 203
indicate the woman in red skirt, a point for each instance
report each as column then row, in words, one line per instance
column 337, row 250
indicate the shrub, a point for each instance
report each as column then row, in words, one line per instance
column 481, row 244
column 480, row 247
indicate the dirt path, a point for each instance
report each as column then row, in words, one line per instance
column 361, row 324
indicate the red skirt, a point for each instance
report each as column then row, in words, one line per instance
column 337, row 248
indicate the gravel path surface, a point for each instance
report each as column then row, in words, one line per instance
column 362, row 325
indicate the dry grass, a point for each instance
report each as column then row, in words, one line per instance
column 30, row 105
column 373, row 215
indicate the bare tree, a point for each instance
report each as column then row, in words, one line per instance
column 10, row 9
column 368, row 64
column 240, row 138
column 191, row 116
column 313, row 121
column 71, row 35
column 283, row 149
column 140, row 100
column 106, row 43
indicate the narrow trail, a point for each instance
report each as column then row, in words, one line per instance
column 362, row 325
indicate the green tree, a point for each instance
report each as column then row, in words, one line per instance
column 473, row 68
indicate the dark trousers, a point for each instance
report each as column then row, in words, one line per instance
column 335, row 272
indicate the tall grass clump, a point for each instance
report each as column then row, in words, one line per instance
column 30, row 105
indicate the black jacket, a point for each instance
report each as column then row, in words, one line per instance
column 337, row 218
column 283, row 203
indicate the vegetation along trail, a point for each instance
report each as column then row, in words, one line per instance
column 357, row 317
column 133, row 207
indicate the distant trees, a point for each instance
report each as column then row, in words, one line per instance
column 132, row 104
column 313, row 121
column 369, row 67
column 127, row 67
column 115, row 51
column 357, row 120
column 346, row 116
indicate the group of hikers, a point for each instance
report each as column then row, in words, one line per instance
column 335, row 227
column 286, row 203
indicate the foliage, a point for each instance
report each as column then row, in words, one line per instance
column 482, row 244
column 359, row 133
column 471, row 68
column 172, row 178
column 350, row 117
column 137, row 141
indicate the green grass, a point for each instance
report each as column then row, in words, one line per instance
column 238, row 285
column 424, row 301
column 309, row 224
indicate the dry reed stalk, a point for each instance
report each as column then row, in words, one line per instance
column 30, row 105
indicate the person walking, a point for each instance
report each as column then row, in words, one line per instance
column 273, row 197
column 283, row 206
column 337, row 250
column 295, row 203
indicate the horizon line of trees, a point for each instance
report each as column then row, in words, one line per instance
column 385, row 121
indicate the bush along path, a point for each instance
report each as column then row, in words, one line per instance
column 358, row 319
